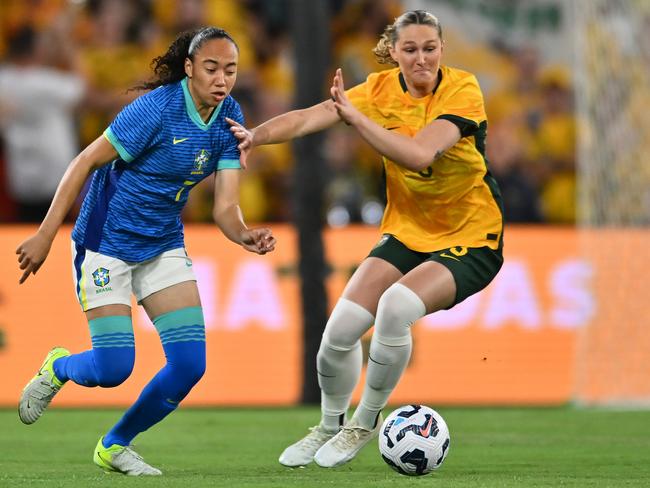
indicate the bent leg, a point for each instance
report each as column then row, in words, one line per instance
column 339, row 359
column 110, row 361
column 182, row 333
column 427, row 288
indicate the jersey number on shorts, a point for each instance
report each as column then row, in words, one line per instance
column 456, row 251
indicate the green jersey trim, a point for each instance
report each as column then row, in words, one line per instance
column 228, row 164
column 193, row 113
column 121, row 150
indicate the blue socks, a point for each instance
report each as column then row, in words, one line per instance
column 111, row 359
column 110, row 362
column 182, row 333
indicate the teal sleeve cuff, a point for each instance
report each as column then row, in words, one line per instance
column 124, row 154
column 228, row 164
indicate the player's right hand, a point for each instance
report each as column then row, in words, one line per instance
column 259, row 240
column 245, row 138
column 32, row 254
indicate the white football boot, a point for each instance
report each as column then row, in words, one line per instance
column 345, row 445
column 122, row 459
column 302, row 452
column 40, row 390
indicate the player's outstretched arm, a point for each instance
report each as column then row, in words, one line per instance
column 228, row 217
column 412, row 153
column 287, row 126
column 33, row 251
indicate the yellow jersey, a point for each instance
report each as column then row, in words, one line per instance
column 455, row 201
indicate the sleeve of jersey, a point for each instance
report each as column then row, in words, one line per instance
column 135, row 129
column 465, row 108
column 229, row 158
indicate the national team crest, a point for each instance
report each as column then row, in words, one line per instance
column 200, row 160
column 101, row 277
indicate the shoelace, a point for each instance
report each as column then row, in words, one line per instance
column 134, row 454
column 315, row 437
column 45, row 389
column 347, row 438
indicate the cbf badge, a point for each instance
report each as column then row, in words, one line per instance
column 101, row 277
column 200, row 160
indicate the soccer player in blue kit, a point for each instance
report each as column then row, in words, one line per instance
column 128, row 237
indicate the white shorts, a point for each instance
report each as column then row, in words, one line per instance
column 103, row 280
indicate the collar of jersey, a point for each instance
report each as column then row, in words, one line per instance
column 402, row 84
column 193, row 113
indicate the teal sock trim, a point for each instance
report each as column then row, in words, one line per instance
column 112, row 324
column 170, row 320
column 113, row 331
column 182, row 325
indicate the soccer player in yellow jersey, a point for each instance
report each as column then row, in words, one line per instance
column 442, row 227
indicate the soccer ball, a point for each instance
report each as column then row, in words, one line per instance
column 414, row 440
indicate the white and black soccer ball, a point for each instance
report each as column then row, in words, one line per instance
column 414, row 440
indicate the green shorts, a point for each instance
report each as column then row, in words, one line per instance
column 473, row 268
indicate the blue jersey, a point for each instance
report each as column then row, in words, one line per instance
column 132, row 210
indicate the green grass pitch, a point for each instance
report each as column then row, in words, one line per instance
column 500, row 447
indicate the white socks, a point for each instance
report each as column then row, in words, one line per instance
column 339, row 360
column 390, row 350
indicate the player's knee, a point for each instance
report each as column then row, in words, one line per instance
column 347, row 323
column 337, row 341
column 188, row 371
column 398, row 308
column 330, row 354
column 195, row 372
column 112, row 372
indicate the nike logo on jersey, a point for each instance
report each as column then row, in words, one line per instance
column 445, row 255
column 178, row 141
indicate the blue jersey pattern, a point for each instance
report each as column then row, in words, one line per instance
column 132, row 210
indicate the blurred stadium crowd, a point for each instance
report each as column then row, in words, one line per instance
column 66, row 65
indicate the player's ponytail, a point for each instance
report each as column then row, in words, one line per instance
column 170, row 67
column 391, row 33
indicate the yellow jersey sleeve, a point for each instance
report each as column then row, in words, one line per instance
column 464, row 107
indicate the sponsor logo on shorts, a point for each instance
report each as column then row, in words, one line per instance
column 382, row 241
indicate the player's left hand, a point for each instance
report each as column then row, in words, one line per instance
column 348, row 112
column 259, row 240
